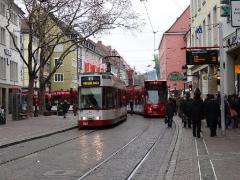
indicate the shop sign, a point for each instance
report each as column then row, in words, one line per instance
column 201, row 57
column 175, row 76
column 235, row 12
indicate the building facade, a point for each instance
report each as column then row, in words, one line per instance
column 204, row 34
column 11, row 65
column 231, row 57
column 171, row 56
column 119, row 67
column 84, row 58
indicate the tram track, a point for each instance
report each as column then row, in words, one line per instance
column 43, row 149
column 141, row 161
column 138, row 164
column 113, row 154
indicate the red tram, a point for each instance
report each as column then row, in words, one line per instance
column 149, row 100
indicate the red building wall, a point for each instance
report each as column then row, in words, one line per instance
column 172, row 58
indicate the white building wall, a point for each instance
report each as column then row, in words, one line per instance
column 205, row 14
column 13, row 54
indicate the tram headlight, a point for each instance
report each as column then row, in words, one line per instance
column 97, row 117
column 84, row 118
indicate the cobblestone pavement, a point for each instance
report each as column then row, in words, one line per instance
column 32, row 127
column 205, row 158
column 208, row 158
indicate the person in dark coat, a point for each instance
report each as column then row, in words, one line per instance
column 187, row 103
column 65, row 107
column 212, row 114
column 170, row 108
column 197, row 113
column 131, row 106
column 206, row 102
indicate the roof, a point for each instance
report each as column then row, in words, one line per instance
column 178, row 26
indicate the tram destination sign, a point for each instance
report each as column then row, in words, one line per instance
column 201, row 57
column 90, row 81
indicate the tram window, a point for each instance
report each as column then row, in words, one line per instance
column 108, row 97
column 152, row 97
column 91, row 98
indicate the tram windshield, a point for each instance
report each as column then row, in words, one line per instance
column 90, row 98
column 155, row 96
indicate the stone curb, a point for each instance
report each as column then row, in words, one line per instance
column 169, row 165
column 36, row 137
column 173, row 160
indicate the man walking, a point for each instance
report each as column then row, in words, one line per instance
column 65, row 107
column 197, row 113
column 212, row 114
column 187, row 103
column 170, row 108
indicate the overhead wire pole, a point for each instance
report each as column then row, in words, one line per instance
column 149, row 19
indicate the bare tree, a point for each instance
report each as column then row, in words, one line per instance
column 52, row 22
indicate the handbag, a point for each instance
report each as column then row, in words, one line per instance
column 233, row 112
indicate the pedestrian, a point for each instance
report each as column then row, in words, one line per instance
column 197, row 112
column 2, row 115
column 131, row 106
column 212, row 113
column 65, row 107
column 170, row 108
column 206, row 106
column 75, row 108
column 48, row 106
column 218, row 99
column 187, row 103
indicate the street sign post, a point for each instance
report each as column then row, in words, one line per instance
column 222, row 79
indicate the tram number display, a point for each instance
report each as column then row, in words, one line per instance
column 202, row 57
column 90, row 81
column 154, row 83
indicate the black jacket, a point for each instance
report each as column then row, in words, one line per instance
column 170, row 109
column 212, row 110
column 197, row 110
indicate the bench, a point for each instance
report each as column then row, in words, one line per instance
column 23, row 116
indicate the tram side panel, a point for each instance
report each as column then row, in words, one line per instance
column 96, row 118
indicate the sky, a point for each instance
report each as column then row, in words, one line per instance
column 137, row 48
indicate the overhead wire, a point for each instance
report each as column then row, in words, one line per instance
column 175, row 2
column 149, row 19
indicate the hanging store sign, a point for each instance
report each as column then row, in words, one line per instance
column 175, row 76
column 235, row 13
column 201, row 57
